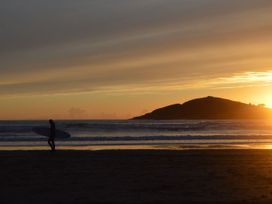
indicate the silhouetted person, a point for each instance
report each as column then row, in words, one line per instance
column 51, row 139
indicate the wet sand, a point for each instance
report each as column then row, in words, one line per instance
column 136, row 176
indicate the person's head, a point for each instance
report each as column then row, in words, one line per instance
column 51, row 121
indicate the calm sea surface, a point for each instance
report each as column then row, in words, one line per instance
column 132, row 132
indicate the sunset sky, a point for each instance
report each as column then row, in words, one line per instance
column 113, row 59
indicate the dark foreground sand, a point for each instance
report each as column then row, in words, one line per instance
column 136, row 176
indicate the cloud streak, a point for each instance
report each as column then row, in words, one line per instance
column 245, row 79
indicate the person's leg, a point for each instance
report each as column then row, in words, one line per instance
column 49, row 142
column 53, row 145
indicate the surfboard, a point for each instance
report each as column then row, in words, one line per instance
column 45, row 131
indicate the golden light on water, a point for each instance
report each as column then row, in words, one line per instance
column 267, row 146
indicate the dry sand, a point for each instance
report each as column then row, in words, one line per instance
column 136, row 176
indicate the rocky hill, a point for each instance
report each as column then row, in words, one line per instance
column 209, row 108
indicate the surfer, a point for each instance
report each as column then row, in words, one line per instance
column 51, row 139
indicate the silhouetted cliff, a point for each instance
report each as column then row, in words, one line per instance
column 209, row 108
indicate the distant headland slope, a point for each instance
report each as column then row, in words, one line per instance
column 209, row 108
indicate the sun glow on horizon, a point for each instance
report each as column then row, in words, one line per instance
column 268, row 104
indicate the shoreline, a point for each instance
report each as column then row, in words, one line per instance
column 136, row 176
column 158, row 147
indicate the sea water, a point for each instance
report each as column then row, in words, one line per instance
column 139, row 132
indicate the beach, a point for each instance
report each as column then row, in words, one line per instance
column 136, row 176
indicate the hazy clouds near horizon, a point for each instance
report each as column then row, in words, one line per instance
column 69, row 46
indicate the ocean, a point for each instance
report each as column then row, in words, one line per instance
column 182, row 133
